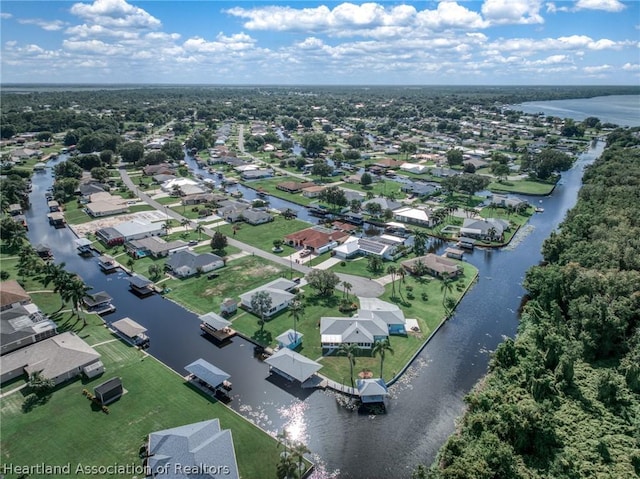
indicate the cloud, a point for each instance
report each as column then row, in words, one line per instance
column 528, row 46
column 222, row 44
column 91, row 31
column 115, row 14
column 5, row 16
column 450, row 15
column 597, row 69
column 606, row 5
column 49, row 25
column 631, row 67
column 501, row 12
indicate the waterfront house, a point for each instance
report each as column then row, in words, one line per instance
column 432, row 264
column 391, row 314
column 385, row 203
column 256, row 174
column 109, row 391
column 155, row 247
column 313, row 191
column 416, row 216
column 60, row 358
column 316, row 238
column 292, row 366
column 228, row 307
column 198, row 446
column 105, row 204
column 256, row 217
column 361, row 332
column 186, row 263
column 280, row 292
column 484, row 229
column 129, row 230
column 503, row 201
column 384, row 246
column 420, row 188
column 197, row 199
column 293, row 186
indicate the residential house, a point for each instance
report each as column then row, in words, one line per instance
column 178, row 184
column 59, row 358
column 313, row 191
column 22, row 325
column 197, row 199
column 256, row 174
column 390, row 313
column 385, row 246
column 432, row 264
column 316, row 238
column 413, row 168
column 280, row 292
column 420, row 188
column 385, row 203
column 187, row 263
column 200, row 446
column 417, row 216
column 293, row 186
column 504, row 201
column 12, row 295
column 129, row 230
column 105, row 204
column 160, row 169
column 442, row 172
column 484, row 229
column 155, row 247
column 256, row 217
column 362, row 332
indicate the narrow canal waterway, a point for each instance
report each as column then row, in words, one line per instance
column 424, row 403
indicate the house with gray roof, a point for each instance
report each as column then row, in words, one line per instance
column 432, row 264
column 371, row 390
column 23, row 325
column 201, row 450
column 280, row 292
column 420, row 188
column 59, row 358
column 362, row 332
column 187, row 263
column 154, row 246
column 292, row 365
column 484, row 229
column 385, row 203
column 255, row 217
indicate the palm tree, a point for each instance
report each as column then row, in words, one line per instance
column 374, row 264
column 28, row 261
column 130, row 263
column 349, row 350
column 286, row 468
column 185, row 222
column 296, row 311
column 492, row 232
column 298, row 450
column 199, row 229
column 347, row 288
column 77, row 291
column 392, row 270
column 260, row 305
column 446, row 287
column 401, row 273
column 420, row 239
column 381, row 348
column 166, row 226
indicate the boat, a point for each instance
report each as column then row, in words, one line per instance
column 539, row 210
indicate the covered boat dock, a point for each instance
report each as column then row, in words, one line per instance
column 292, row 366
column 209, row 376
column 215, row 325
column 131, row 332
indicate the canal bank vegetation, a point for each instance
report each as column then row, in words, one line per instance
column 562, row 400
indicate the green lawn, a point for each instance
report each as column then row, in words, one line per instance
column 380, row 188
column 74, row 213
column 262, row 236
column 270, row 187
column 202, row 295
column 525, row 187
column 428, row 313
column 358, row 267
column 76, row 432
column 167, row 200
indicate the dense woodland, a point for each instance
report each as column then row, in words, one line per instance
column 562, row 400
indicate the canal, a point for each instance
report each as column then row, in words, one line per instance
column 424, row 403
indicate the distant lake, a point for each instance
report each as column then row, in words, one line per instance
column 622, row 110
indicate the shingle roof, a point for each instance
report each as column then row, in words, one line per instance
column 11, row 292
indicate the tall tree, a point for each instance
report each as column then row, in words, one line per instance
column 261, row 303
column 350, row 350
column 296, row 311
column 380, row 348
column 323, row 280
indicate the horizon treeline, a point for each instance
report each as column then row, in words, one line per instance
column 562, row 399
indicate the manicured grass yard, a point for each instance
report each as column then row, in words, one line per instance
column 270, row 187
column 156, row 399
column 74, row 213
column 167, row 200
column 428, row 313
column 202, row 295
column 262, row 236
column 525, row 187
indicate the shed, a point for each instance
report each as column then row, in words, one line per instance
column 109, row 391
column 93, row 370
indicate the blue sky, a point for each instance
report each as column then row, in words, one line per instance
column 463, row 42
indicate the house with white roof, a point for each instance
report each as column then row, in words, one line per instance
column 362, row 332
column 484, row 229
column 280, row 292
column 416, row 216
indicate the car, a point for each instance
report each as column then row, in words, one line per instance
column 304, row 253
column 193, row 243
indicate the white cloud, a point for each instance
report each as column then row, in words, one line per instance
column 115, row 13
column 49, row 25
column 528, row 46
column 222, row 44
column 5, row 15
column 597, row 69
column 606, row 5
column 501, row 12
column 91, row 31
column 631, row 67
column 450, row 15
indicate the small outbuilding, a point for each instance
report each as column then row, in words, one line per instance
column 290, row 339
column 209, row 375
column 292, row 365
column 109, row 391
column 372, row 390
column 131, row 332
